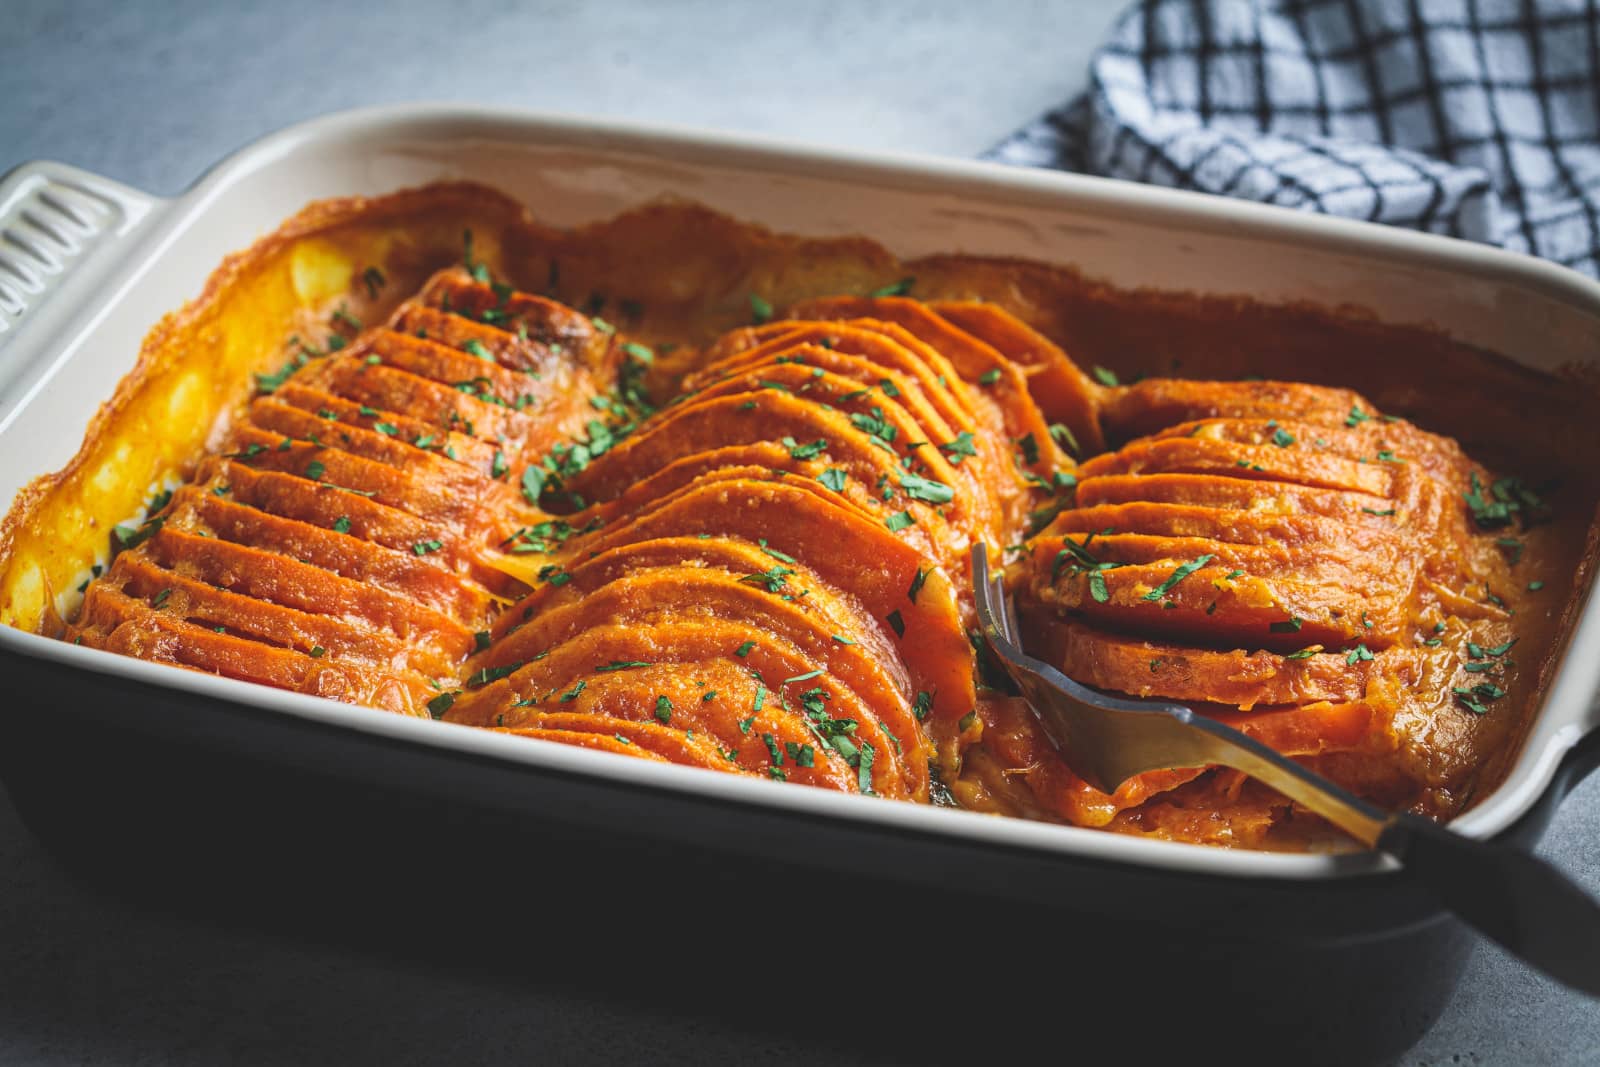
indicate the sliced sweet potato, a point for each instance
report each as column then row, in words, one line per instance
column 118, row 623
column 1064, row 393
column 711, row 690
column 765, row 416
column 997, row 386
column 264, row 576
column 879, row 570
column 261, row 620
column 1195, row 455
column 648, row 738
column 1237, row 677
column 479, row 455
column 1154, row 404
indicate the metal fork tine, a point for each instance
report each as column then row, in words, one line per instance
column 1013, row 629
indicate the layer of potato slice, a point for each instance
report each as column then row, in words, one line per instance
column 118, row 623
column 711, row 690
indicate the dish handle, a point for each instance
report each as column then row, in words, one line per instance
column 1580, row 761
column 59, row 227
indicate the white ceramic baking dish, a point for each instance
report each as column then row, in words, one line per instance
column 87, row 266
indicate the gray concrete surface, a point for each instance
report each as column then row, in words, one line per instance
column 152, row 93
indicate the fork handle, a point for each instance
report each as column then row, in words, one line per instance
column 1508, row 895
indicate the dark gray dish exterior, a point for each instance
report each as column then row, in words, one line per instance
column 784, row 919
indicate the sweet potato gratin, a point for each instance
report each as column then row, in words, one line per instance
column 656, row 488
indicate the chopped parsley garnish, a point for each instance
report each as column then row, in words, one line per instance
column 269, row 383
column 772, row 748
column 772, row 578
column 989, row 377
column 874, row 425
column 899, row 521
column 480, row 640
column 960, row 448
column 343, row 317
column 1356, row 417
column 923, row 706
column 639, row 352
column 782, row 557
column 744, row 724
column 485, row 675
column 1062, row 436
column 1534, row 587
column 1495, row 506
column 760, row 309
column 898, row 623
column 532, row 483
column 1030, row 449
column 864, row 768
column 1291, row 626
column 806, row 677
column 441, row 704
column 1474, row 699
column 1380, row 514
column 917, row 583
column 1104, row 377
column 623, row 665
column 1386, row 456
column 926, row 489
column 803, row 755
column 161, row 598
column 388, row 429
column 474, row 347
column 572, row 694
column 1177, row 576
column 806, row 451
column 1357, row 655
column 315, row 470
column 500, row 466
column 664, row 709
column 841, row 639
column 422, row 548
column 1304, row 653
column 479, row 272
column 744, row 650
column 341, row 524
column 1282, row 438
column 374, row 279
column 899, row 288
column 834, row 478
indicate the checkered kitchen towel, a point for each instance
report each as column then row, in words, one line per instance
column 1474, row 118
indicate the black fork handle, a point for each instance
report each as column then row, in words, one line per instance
column 1510, row 896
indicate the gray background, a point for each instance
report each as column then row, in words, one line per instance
column 153, row 93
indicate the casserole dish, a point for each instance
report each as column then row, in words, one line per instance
column 95, row 264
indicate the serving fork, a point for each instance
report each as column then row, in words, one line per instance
column 1507, row 894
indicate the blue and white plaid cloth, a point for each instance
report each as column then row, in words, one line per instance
column 1474, row 118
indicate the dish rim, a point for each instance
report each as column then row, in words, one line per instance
column 1572, row 687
